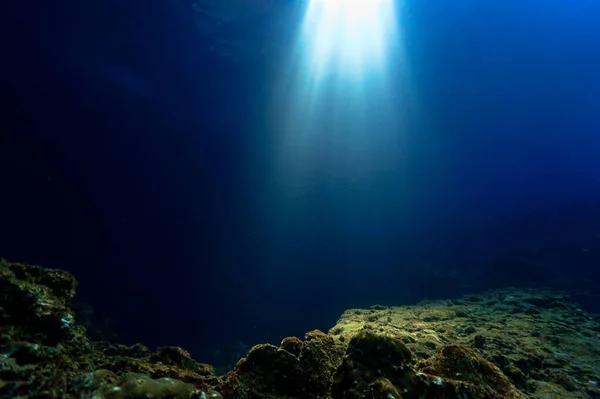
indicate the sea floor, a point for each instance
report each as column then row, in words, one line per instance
column 510, row 343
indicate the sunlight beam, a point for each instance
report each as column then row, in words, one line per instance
column 348, row 36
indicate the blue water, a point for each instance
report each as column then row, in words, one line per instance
column 210, row 188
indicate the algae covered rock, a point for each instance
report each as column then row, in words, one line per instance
column 157, row 365
column 480, row 347
column 382, row 388
column 35, row 303
column 137, row 351
column 464, row 369
column 292, row 345
column 176, row 356
column 266, row 370
column 43, row 353
column 375, row 359
column 272, row 372
column 140, row 386
column 379, row 366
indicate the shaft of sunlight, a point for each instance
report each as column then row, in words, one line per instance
column 339, row 110
column 348, row 36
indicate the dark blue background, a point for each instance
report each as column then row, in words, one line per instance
column 132, row 154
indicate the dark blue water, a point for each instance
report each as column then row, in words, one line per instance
column 165, row 154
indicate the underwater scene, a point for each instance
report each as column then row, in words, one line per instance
column 300, row 199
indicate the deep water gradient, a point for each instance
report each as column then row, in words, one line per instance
column 163, row 152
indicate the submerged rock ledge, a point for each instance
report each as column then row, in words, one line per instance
column 502, row 344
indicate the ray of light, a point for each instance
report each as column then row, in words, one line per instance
column 348, row 37
column 335, row 104
column 337, row 121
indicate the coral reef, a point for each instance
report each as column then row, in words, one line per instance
column 503, row 344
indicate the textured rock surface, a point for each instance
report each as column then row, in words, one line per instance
column 540, row 340
column 134, row 385
column 42, row 349
column 505, row 344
